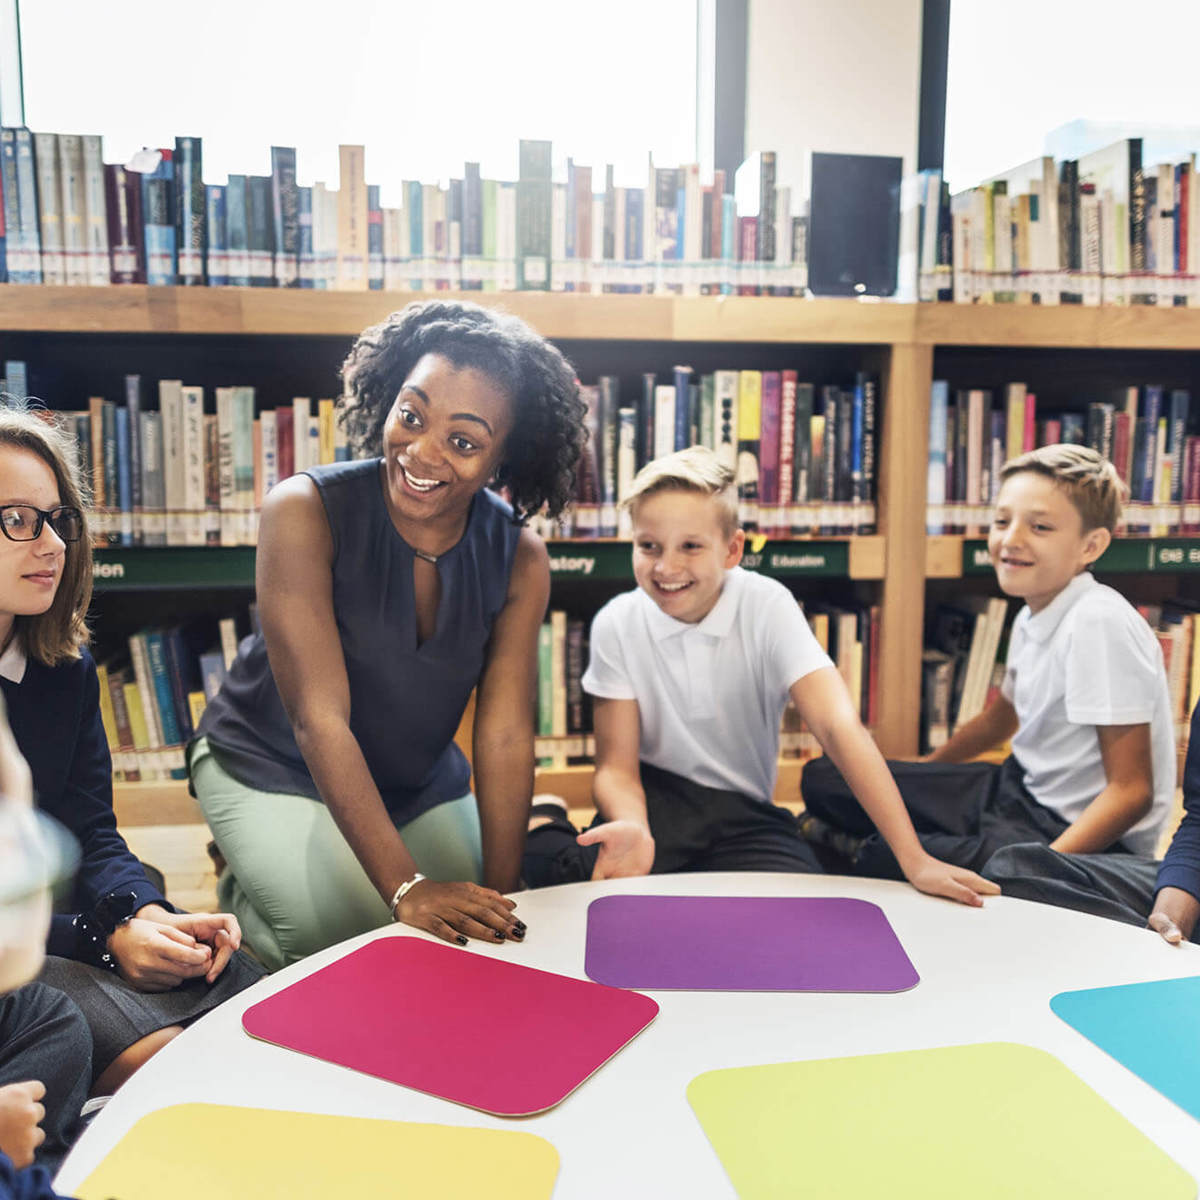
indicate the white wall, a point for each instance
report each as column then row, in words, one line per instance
column 840, row 76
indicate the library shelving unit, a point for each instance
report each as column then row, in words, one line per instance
column 283, row 336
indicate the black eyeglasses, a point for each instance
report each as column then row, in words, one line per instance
column 23, row 522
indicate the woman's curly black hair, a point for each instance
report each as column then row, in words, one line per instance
column 548, row 434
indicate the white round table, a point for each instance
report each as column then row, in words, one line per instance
column 628, row 1131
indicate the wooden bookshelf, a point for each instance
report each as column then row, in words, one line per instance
column 899, row 341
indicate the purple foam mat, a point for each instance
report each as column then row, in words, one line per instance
column 744, row 944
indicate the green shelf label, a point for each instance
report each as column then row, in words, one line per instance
column 152, row 567
column 613, row 560
column 1123, row 556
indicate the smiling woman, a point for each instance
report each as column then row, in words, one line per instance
column 389, row 588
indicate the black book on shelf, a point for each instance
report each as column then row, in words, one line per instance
column 854, row 224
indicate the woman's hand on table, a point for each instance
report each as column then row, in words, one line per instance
column 456, row 912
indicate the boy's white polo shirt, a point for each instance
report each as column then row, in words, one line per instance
column 1088, row 658
column 711, row 694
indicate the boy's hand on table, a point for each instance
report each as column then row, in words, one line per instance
column 626, row 849
column 937, row 878
column 458, row 911
column 21, row 1116
column 1174, row 915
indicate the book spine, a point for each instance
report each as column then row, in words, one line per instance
column 170, row 405
column 108, row 464
column 49, row 201
column 769, row 453
column 190, row 214
column 725, row 417
column 610, row 403
column 159, row 221
column 175, row 655
column 133, row 408
column 749, row 435
column 799, row 521
column 11, row 267
column 124, row 505
column 193, row 492
column 682, row 426
column 217, row 261
column 870, row 404
column 285, row 442
column 97, row 267
column 139, row 657
column 534, row 204
column 29, row 231
column 626, row 465
column 647, row 412
column 154, row 517
column 123, row 201
column 374, row 239
column 352, row 219
column 787, row 450
column 212, row 481
column 260, row 231
column 161, row 683
column 237, row 230
column 243, row 465
column 285, row 216
column 74, row 209
column 306, row 260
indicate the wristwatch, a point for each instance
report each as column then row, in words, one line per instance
column 93, row 929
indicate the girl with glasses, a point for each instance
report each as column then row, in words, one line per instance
column 389, row 588
column 137, row 968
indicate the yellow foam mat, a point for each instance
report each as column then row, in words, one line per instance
column 977, row 1122
column 206, row 1151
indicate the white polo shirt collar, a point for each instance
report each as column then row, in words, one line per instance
column 1041, row 625
column 12, row 662
column 717, row 623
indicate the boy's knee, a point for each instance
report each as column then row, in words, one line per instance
column 1023, row 860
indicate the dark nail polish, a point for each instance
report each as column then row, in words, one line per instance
column 462, row 941
column 499, row 935
column 518, row 934
column 522, row 926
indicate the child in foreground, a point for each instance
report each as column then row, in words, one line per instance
column 690, row 673
column 1084, row 698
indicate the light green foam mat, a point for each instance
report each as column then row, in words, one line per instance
column 977, row 1122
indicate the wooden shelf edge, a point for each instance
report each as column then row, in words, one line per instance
column 162, row 802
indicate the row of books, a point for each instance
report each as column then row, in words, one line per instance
column 1101, row 229
column 1143, row 431
column 962, row 665
column 194, row 470
column 69, row 218
column 804, row 458
column 154, row 692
